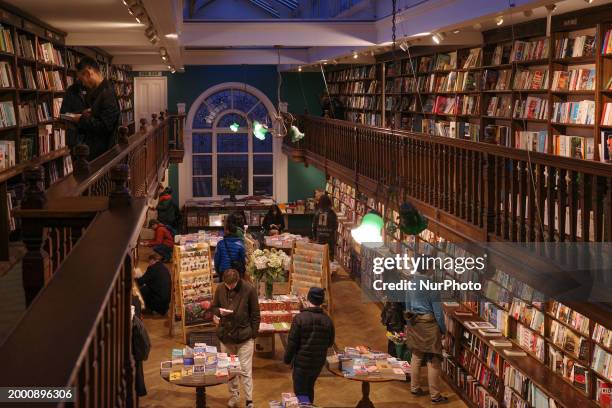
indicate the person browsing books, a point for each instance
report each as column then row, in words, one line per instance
column 230, row 251
column 424, row 334
column 312, row 333
column 155, row 286
column 100, row 123
column 163, row 241
column 74, row 102
column 325, row 224
column 236, row 305
column 274, row 221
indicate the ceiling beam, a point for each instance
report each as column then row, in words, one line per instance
column 165, row 16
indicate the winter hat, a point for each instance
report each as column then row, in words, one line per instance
column 316, row 296
column 411, row 221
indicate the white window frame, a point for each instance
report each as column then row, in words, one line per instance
column 279, row 159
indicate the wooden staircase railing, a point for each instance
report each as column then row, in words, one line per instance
column 485, row 191
column 77, row 271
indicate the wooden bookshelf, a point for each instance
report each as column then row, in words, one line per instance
column 408, row 95
column 36, row 67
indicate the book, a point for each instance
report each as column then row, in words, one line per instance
column 500, row 343
column 515, row 353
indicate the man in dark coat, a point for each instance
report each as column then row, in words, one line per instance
column 312, row 333
column 168, row 212
column 236, row 304
column 155, row 286
column 74, row 102
column 99, row 124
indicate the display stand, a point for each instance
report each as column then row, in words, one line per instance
column 310, row 267
column 193, row 277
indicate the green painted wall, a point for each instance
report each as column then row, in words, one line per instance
column 299, row 89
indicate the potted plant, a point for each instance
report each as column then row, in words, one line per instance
column 268, row 266
column 232, row 185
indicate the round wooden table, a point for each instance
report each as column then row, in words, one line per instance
column 200, row 383
column 365, row 386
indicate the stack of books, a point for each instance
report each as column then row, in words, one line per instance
column 200, row 361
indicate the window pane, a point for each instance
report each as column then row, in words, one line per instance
column 232, row 143
column 244, row 101
column 262, row 164
column 262, row 146
column 235, row 165
column 202, row 186
column 262, row 185
column 202, row 143
column 260, row 114
column 200, row 121
column 230, row 118
column 202, row 165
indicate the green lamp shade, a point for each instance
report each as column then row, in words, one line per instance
column 234, row 127
column 370, row 229
column 259, row 130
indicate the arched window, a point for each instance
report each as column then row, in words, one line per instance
column 216, row 150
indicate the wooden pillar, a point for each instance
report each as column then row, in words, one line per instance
column 123, row 136
column 143, row 125
column 154, row 119
column 36, row 267
column 120, row 195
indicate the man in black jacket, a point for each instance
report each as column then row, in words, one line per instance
column 155, row 286
column 312, row 333
column 236, row 304
column 74, row 102
column 99, row 124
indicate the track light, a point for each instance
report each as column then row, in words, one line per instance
column 588, row 1
column 163, row 51
column 551, row 7
column 437, row 38
column 300, row 68
column 499, row 20
column 404, row 47
column 172, row 70
column 355, row 55
column 130, row 3
column 456, row 31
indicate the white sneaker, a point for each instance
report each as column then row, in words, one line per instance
column 233, row 402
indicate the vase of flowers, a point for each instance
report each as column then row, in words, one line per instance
column 232, row 185
column 401, row 351
column 268, row 266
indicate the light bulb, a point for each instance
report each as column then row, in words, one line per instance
column 234, row 127
column 436, row 38
column 499, row 20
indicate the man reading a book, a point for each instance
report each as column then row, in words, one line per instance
column 100, row 123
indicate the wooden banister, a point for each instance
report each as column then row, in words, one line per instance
column 493, row 192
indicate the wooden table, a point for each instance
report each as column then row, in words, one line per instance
column 200, row 383
column 365, row 401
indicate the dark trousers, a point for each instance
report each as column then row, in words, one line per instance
column 304, row 382
column 164, row 251
column 152, row 301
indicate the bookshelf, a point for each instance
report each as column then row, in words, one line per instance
column 123, row 81
column 519, row 88
column 36, row 67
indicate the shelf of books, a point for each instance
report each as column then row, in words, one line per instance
column 521, row 88
column 123, row 81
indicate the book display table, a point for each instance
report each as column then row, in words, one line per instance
column 365, row 401
column 200, row 384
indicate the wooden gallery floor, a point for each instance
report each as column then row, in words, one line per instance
column 356, row 323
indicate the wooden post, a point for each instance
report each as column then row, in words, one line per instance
column 154, row 119
column 143, row 125
column 162, row 116
column 81, row 165
column 35, row 265
column 123, row 136
column 120, row 196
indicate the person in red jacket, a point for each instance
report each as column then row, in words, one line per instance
column 163, row 243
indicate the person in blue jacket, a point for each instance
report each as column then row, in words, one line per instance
column 230, row 252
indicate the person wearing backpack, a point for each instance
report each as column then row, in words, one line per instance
column 230, row 252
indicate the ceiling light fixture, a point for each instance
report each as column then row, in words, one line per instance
column 173, row 70
column 551, row 7
column 499, row 20
column 300, row 68
column 477, row 26
column 234, row 127
column 456, row 31
column 404, row 46
column 259, row 130
column 172, row 36
column 355, row 55
column 437, row 38
column 588, row 1
column 130, row 3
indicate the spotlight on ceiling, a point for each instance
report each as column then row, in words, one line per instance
column 173, row 70
column 551, row 7
column 130, row 3
column 355, row 55
column 404, row 47
column 456, row 31
column 172, row 36
column 300, row 68
column 499, row 20
column 588, row 1
column 437, row 38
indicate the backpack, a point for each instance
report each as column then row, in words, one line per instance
column 237, row 264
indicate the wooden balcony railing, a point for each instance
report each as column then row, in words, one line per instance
column 485, row 191
column 77, row 271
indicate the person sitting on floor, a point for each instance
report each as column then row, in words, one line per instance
column 163, row 242
column 312, row 333
column 155, row 286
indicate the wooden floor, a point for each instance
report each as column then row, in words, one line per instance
column 356, row 323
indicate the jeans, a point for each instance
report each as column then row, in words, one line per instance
column 244, row 351
column 304, row 382
column 164, row 251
